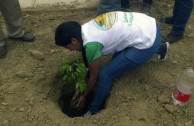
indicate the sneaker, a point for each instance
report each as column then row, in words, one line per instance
column 164, row 54
column 87, row 114
column 28, row 37
column 171, row 38
column 166, row 20
column 3, row 51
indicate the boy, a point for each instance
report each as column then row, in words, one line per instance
column 133, row 38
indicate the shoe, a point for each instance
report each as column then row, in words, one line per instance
column 164, row 53
column 87, row 114
column 146, row 8
column 166, row 20
column 3, row 51
column 28, row 37
column 171, row 38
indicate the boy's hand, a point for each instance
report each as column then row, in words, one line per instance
column 81, row 102
column 76, row 95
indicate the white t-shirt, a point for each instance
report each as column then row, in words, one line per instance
column 119, row 30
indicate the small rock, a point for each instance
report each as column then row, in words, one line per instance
column 6, row 123
column 23, row 74
column 163, row 99
column 14, row 109
column 31, row 103
column 4, row 103
column 37, row 54
column 191, row 35
column 170, row 108
column 29, row 111
column 189, row 123
column 174, row 62
column 52, row 51
column 21, row 109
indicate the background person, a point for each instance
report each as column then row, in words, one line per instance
column 11, row 12
column 105, row 6
column 181, row 14
column 146, row 6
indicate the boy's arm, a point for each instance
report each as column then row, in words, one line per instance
column 94, row 69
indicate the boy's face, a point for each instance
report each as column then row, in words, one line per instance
column 75, row 45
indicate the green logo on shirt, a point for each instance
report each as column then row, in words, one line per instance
column 128, row 18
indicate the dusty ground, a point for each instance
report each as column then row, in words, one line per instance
column 142, row 97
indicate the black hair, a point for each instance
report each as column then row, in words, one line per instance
column 66, row 31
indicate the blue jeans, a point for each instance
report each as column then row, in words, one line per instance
column 181, row 14
column 148, row 1
column 126, row 4
column 121, row 62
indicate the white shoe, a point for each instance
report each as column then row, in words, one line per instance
column 164, row 55
column 87, row 114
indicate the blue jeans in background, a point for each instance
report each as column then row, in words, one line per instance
column 181, row 14
column 121, row 62
column 126, row 3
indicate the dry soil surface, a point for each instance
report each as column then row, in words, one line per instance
column 29, row 91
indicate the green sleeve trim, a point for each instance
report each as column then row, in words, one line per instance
column 93, row 51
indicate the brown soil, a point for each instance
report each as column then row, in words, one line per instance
column 142, row 97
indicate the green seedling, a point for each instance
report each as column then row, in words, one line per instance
column 74, row 71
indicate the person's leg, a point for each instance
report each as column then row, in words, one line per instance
column 148, row 1
column 2, row 41
column 13, row 17
column 105, row 6
column 125, row 4
column 123, row 61
column 3, row 50
column 181, row 14
column 146, row 6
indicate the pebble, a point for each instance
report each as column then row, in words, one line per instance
column 21, row 109
column 191, row 35
column 4, row 103
column 163, row 99
column 37, row 54
column 52, row 51
column 174, row 62
column 31, row 103
column 29, row 111
column 14, row 109
column 24, row 74
column 170, row 108
column 6, row 123
column 189, row 123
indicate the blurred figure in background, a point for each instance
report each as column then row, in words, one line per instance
column 181, row 14
column 146, row 6
column 11, row 12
